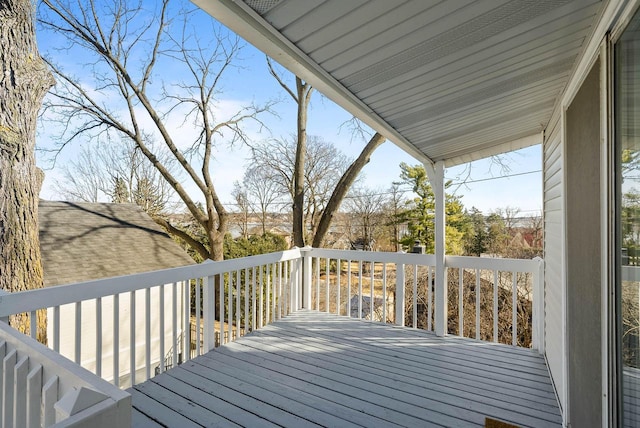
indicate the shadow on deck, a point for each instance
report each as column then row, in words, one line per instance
column 316, row 369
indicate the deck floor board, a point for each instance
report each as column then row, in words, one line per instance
column 316, row 369
column 424, row 363
column 392, row 371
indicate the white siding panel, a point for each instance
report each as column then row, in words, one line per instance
column 553, row 253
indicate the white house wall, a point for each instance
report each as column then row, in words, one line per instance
column 553, row 157
column 88, row 339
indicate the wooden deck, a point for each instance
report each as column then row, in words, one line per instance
column 315, row 369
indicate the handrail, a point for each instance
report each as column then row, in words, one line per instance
column 26, row 301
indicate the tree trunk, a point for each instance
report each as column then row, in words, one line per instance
column 304, row 96
column 24, row 81
column 343, row 186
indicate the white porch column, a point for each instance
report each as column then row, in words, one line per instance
column 436, row 177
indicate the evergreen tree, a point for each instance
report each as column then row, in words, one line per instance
column 120, row 191
column 420, row 213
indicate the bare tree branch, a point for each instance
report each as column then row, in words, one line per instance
column 123, row 44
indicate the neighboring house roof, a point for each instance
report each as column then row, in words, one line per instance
column 84, row 241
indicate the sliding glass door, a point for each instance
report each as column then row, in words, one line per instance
column 627, row 137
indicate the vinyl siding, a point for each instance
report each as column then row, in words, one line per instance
column 554, row 253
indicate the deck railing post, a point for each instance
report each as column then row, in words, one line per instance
column 435, row 173
column 537, row 317
column 306, row 277
column 399, row 315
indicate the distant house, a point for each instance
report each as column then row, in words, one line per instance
column 88, row 241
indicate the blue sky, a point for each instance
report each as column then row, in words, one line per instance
column 250, row 82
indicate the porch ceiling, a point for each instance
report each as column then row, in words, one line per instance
column 444, row 80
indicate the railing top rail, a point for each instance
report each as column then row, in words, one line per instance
column 375, row 256
column 504, row 265
column 25, row 301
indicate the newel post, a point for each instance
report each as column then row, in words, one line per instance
column 399, row 315
column 537, row 317
column 306, row 276
column 436, row 177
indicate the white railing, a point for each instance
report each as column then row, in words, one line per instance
column 122, row 328
column 41, row 388
column 517, row 284
column 400, row 288
column 127, row 329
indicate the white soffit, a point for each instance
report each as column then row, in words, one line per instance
column 445, row 80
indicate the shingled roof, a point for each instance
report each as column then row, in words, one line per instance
column 85, row 241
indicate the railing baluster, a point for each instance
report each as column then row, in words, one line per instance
column 221, row 305
column 132, row 337
column 327, row 300
column 282, row 302
column 495, row 306
column 260, row 296
column 247, row 289
column 56, row 328
column 285, row 287
column 360, row 289
column 295, row 278
column 514, row 307
column 20, row 372
column 49, row 398
column 116, row 339
column 33, row 324
column 338, row 272
column 461, row 301
column 274, row 282
column 238, row 287
column 269, row 296
column 8, row 363
column 198, row 302
column 429, row 299
column 384, row 292
column 372, row 286
column 34, row 396
column 147, row 331
column 478, row 291
column 186, row 323
column 348, row 288
column 99, row 336
column 230, row 303
column 317, row 283
column 289, row 283
column 174, row 322
column 162, row 330
column 78, row 333
column 415, row 296
column 253, row 299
